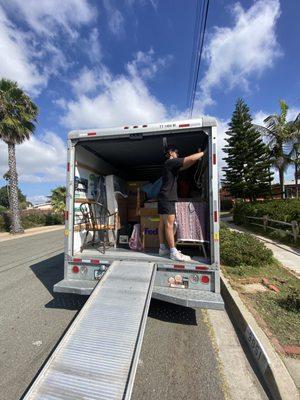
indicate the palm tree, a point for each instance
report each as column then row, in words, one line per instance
column 278, row 132
column 294, row 153
column 17, row 123
column 58, row 199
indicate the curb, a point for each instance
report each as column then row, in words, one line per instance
column 276, row 377
column 51, row 228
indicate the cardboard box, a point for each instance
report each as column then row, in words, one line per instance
column 151, row 212
column 149, row 231
column 122, row 210
column 132, row 215
column 150, row 204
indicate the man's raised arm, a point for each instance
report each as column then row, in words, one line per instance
column 191, row 160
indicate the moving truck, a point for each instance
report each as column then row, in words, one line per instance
column 98, row 356
column 133, row 155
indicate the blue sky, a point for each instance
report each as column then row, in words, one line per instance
column 100, row 63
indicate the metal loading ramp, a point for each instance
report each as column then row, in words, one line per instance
column 97, row 358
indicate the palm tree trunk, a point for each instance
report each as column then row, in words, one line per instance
column 296, row 179
column 16, row 226
column 281, row 181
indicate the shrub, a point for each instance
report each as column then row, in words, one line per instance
column 54, row 219
column 32, row 220
column 291, row 301
column 226, row 205
column 281, row 210
column 2, row 223
column 242, row 249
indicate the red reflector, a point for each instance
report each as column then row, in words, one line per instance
column 92, row 133
column 201, row 268
column 216, row 216
column 179, row 266
column 66, row 215
column 135, row 126
column 183, row 125
column 126, row 127
column 75, row 269
column 205, row 279
column 77, row 260
column 95, row 261
column 145, row 126
column 214, row 159
column 68, row 167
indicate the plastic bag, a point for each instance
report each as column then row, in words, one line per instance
column 135, row 242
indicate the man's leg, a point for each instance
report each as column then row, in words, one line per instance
column 169, row 230
column 161, row 230
column 163, row 250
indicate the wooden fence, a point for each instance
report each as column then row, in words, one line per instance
column 292, row 230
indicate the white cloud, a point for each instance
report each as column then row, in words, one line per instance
column 48, row 17
column 38, row 199
column 115, row 18
column 40, row 159
column 31, row 56
column 15, row 58
column 146, row 66
column 237, row 53
column 123, row 100
column 93, row 47
column 105, row 100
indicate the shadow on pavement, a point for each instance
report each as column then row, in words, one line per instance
column 172, row 313
column 51, row 271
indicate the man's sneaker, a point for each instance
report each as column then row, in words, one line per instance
column 164, row 252
column 178, row 256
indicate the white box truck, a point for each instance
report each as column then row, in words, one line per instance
column 98, row 356
column 135, row 153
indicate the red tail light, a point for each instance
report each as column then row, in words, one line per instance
column 92, row 133
column 77, row 260
column 216, row 216
column 183, row 125
column 205, row 279
column 75, row 269
column 179, row 266
column 95, row 261
column 201, row 268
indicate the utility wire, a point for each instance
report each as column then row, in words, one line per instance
column 198, row 55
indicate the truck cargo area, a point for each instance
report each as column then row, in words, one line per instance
column 135, row 162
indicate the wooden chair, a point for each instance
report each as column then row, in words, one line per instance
column 96, row 218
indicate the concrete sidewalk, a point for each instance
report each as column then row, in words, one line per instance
column 4, row 236
column 287, row 255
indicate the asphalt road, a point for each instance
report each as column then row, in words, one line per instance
column 177, row 361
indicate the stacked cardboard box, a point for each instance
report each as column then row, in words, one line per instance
column 135, row 200
column 149, row 228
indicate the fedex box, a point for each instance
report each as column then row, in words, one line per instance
column 149, row 231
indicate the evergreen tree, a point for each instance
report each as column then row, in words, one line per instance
column 247, row 174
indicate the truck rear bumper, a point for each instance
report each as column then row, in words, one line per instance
column 184, row 297
column 73, row 286
column 189, row 297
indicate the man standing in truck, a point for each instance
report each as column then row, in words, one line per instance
column 167, row 198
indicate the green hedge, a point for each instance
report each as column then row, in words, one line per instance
column 281, row 210
column 242, row 249
column 31, row 220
